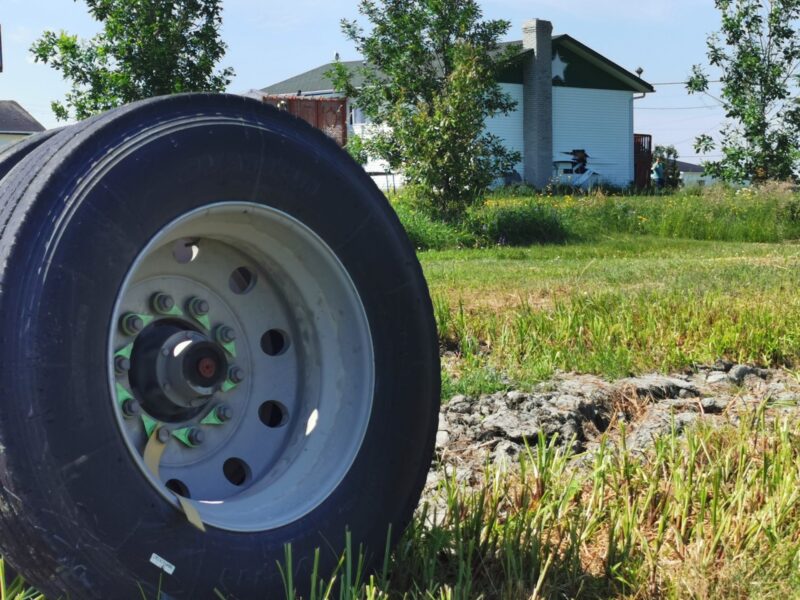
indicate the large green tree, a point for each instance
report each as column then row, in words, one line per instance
column 756, row 52
column 427, row 85
column 146, row 48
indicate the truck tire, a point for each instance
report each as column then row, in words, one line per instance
column 217, row 341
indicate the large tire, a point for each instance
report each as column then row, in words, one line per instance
column 13, row 153
column 87, row 217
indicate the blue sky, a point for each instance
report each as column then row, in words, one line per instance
column 271, row 40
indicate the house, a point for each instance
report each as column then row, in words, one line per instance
column 692, row 175
column 16, row 123
column 574, row 117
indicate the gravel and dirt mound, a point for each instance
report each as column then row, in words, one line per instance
column 579, row 409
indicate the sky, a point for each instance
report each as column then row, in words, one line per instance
column 272, row 40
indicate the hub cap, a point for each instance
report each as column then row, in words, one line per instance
column 239, row 332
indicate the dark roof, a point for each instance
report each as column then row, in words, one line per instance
column 685, row 167
column 316, row 81
column 15, row 119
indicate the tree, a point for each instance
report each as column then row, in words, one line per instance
column 672, row 175
column 757, row 52
column 146, row 48
column 429, row 84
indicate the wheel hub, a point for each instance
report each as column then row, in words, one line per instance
column 238, row 338
column 175, row 371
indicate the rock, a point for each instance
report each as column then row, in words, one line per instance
column 442, row 439
column 722, row 365
column 506, row 454
column 716, row 377
column 656, row 424
column 659, row 387
column 459, row 404
column 715, row 405
column 738, row 373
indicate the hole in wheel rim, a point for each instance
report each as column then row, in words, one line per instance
column 180, row 488
column 274, row 342
column 236, row 471
column 272, row 414
column 185, row 251
column 242, row 280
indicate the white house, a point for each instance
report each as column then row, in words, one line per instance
column 16, row 123
column 692, row 175
column 574, row 117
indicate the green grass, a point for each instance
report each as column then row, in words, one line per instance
column 623, row 305
column 768, row 215
column 713, row 514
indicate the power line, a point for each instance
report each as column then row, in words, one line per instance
column 683, row 82
column 674, row 107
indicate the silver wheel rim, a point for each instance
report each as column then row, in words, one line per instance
column 296, row 418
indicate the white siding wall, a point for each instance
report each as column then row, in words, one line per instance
column 600, row 122
column 509, row 127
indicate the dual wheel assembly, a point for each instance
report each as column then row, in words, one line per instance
column 215, row 341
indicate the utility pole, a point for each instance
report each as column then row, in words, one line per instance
column 1, row 48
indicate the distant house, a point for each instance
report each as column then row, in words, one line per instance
column 692, row 175
column 574, row 116
column 16, row 123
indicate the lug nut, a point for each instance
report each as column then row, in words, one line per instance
column 236, row 374
column 163, row 435
column 196, row 436
column 122, row 364
column 162, row 303
column 131, row 324
column 226, row 334
column 130, row 408
column 198, row 307
column 224, row 412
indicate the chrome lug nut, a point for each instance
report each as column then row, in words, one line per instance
column 162, row 303
column 198, row 307
column 226, row 335
column 122, row 364
column 131, row 324
column 224, row 412
column 196, row 436
column 130, row 408
column 236, row 374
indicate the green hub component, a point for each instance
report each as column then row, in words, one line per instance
column 190, row 436
column 218, row 416
column 164, row 304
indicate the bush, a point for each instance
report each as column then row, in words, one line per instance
column 427, row 233
column 516, row 224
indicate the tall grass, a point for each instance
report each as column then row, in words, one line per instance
column 765, row 215
column 713, row 514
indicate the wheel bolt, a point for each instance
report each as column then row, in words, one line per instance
column 162, row 303
column 198, row 307
column 122, row 364
column 163, row 435
column 131, row 324
column 224, row 412
column 226, row 334
column 130, row 408
column 196, row 436
column 236, row 374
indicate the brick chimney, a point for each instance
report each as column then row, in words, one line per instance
column 537, row 100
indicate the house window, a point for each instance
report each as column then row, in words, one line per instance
column 357, row 116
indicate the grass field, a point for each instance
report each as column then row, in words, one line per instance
column 714, row 513
column 623, row 305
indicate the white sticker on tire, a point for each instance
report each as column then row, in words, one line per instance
column 162, row 564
